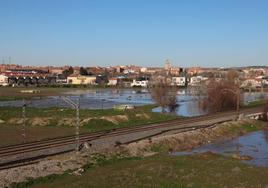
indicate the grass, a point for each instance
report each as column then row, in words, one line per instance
column 159, row 148
column 256, row 103
column 44, row 123
column 247, row 127
column 202, row 170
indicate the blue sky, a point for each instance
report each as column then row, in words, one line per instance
column 144, row 32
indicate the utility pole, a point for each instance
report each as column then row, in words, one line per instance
column 23, row 121
column 77, row 129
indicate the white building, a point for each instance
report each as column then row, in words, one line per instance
column 143, row 69
column 129, row 71
column 112, row 82
column 179, row 81
column 252, row 83
column 196, row 80
column 141, row 83
column 3, row 80
column 265, row 81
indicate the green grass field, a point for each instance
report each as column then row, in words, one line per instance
column 203, row 170
column 256, row 103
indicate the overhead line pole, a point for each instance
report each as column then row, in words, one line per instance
column 23, row 121
column 77, row 129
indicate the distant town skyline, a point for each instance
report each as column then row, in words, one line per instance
column 230, row 33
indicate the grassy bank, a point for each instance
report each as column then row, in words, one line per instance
column 256, row 103
column 42, row 123
column 202, row 170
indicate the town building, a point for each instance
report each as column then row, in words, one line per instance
column 139, row 83
column 252, row 83
column 112, row 82
column 196, row 80
column 265, row 80
column 179, row 81
column 79, row 79
column 167, row 65
column 3, row 80
column 61, row 79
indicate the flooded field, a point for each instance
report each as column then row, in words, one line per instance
column 107, row 98
column 253, row 148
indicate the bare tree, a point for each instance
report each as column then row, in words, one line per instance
column 222, row 94
column 163, row 93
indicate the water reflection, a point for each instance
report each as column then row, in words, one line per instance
column 254, row 145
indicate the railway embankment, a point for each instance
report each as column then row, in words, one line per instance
column 191, row 139
column 74, row 164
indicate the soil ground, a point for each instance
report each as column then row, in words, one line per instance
column 44, row 123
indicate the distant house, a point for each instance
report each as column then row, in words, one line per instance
column 265, row 81
column 139, row 83
column 3, row 80
column 61, row 79
column 56, row 71
column 251, row 82
column 124, row 81
column 129, row 71
column 101, row 79
column 143, row 69
column 178, row 81
column 195, row 80
column 79, row 79
column 112, row 82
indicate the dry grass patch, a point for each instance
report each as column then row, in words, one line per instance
column 39, row 121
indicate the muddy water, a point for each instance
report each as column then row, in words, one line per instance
column 254, row 145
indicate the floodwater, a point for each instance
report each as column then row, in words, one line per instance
column 107, row 98
column 254, row 145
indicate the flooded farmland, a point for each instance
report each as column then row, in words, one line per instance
column 107, row 98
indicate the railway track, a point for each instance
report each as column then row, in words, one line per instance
column 182, row 125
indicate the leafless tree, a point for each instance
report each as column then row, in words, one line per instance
column 222, row 93
column 163, row 93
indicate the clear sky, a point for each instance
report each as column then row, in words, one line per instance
column 144, row 32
